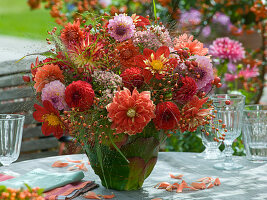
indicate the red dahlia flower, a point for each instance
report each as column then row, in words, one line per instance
column 186, row 92
column 50, row 118
column 192, row 115
column 127, row 52
column 130, row 113
column 155, row 63
column 132, row 78
column 167, row 116
column 79, row 94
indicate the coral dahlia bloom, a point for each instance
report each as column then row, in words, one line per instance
column 130, row 113
column 50, row 118
column 167, row 116
column 192, row 116
column 155, row 63
column 194, row 47
column 225, row 48
column 127, row 52
column 71, row 33
column 79, row 94
column 186, row 91
column 46, row 74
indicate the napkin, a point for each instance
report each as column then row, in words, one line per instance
column 43, row 179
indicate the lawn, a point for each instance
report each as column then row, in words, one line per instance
column 16, row 19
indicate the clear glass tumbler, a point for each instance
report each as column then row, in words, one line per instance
column 229, row 112
column 11, row 128
column 255, row 132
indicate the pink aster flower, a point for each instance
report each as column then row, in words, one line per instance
column 130, row 113
column 249, row 72
column 121, row 27
column 55, row 93
column 204, row 69
column 225, row 48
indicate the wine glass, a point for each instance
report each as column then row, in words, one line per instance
column 228, row 112
column 211, row 151
column 11, row 128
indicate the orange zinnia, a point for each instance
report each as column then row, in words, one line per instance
column 194, row 47
column 46, row 74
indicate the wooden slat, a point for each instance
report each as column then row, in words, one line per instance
column 16, row 93
column 32, row 132
column 29, row 119
column 12, row 80
column 17, row 107
column 39, row 144
column 11, row 67
column 31, row 156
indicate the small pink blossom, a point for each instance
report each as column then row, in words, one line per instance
column 249, row 72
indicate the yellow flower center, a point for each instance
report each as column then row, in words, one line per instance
column 131, row 113
column 157, row 65
column 52, row 119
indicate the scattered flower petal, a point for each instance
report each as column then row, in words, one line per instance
column 108, row 196
column 176, row 177
column 205, row 180
column 217, row 182
column 157, row 199
column 60, row 164
column 210, row 186
column 198, row 185
column 162, row 185
column 91, row 195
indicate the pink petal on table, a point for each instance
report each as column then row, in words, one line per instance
column 210, row 186
column 82, row 167
column 91, row 195
column 181, row 187
column 176, row 177
column 73, row 161
column 59, row 164
column 157, row 199
column 162, row 185
column 88, row 163
column 205, row 180
column 217, row 182
column 72, row 168
column 198, row 185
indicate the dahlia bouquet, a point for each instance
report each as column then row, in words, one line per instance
column 120, row 85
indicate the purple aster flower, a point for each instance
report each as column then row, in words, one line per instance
column 121, row 27
column 55, row 93
column 221, row 18
column 204, row 69
column 231, row 67
column 206, row 31
column 191, row 17
column 225, row 48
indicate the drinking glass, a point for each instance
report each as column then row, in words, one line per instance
column 255, row 132
column 11, row 128
column 229, row 112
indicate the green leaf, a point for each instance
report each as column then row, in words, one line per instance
column 28, row 187
column 155, row 9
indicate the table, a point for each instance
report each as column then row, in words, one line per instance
column 249, row 183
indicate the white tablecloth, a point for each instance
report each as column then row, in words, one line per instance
column 250, row 183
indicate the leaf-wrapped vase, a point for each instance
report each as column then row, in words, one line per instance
column 127, row 171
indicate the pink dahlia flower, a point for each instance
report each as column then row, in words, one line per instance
column 205, row 71
column 225, row 48
column 55, row 93
column 121, row 27
column 130, row 113
column 249, row 72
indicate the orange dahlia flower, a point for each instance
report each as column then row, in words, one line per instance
column 194, row 47
column 50, row 118
column 71, row 32
column 130, row 113
column 192, row 116
column 155, row 63
column 46, row 74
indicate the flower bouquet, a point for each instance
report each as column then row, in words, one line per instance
column 120, row 85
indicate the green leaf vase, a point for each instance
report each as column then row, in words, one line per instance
column 141, row 151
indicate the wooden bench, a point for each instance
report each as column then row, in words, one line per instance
column 18, row 97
